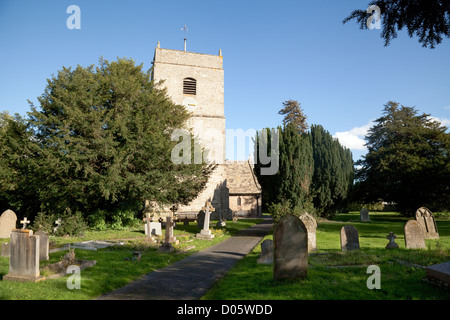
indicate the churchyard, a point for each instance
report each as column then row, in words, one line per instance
column 345, row 275
column 133, row 256
column 339, row 266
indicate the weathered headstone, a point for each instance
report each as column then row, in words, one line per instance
column 266, row 256
column 349, row 238
column 152, row 228
column 428, row 223
column 205, row 233
column 5, row 249
column 391, row 245
column 364, row 215
column 311, row 226
column 169, row 240
column 290, row 249
column 8, row 221
column 414, row 237
column 24, row 257
column 43, row 245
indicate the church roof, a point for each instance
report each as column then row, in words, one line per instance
column 241, row 178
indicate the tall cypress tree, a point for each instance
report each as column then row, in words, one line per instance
column 333, row 172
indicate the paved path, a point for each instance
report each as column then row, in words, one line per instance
column 190, row 278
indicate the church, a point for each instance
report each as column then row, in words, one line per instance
column 196, row 81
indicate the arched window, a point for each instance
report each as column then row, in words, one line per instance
column 190, row 86
column 239, row 201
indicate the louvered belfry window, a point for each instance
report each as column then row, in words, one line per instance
column 190, row 86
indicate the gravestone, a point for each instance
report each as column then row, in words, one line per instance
column 205, row 233
column 439, row 272
column 391, row 245
column 201, row 219
column 5, row 250
column 152, row 228
column 266, row 256
column 426, row 220
column 8, row 221
column 169, row 240
column 24, row 257
column 364, row 215
column 414, row 237
column 43, row 245
column 311, row 226
column 290, row 249
column 349, row 238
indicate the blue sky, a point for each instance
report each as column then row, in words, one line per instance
column 273, row 51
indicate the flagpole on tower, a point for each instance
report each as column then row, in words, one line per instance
column 184, row 29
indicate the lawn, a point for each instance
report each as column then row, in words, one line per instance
column 114, row 267
column 333, row 274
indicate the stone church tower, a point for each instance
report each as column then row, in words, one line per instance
column 196, row 81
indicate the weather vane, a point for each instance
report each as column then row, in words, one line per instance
column 185, row 29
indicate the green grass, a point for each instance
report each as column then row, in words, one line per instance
column 112, row 271
column 333, row 274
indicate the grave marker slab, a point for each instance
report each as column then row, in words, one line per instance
column 414, row 236
column 311, row 226
column 24, row 257
column 290, row 249
column 43, row 245
column 8, row 221
column 349, row 238
column 266, row 256
column 428, row 223
column 440, row 272
column 364, row 215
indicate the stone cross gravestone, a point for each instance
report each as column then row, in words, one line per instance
column 349, row 238
column 364, row 215
column 25, row 222
column 43, row 245
column 205, row 233
column 169, row 239
column 391, row 245
column 152, row 228
column 426, row 220
column 311, row 226
column 266, row 256
column 290, row 249
column 58, row 224
column 414, row 236
column 8, row 221
column 24, row 257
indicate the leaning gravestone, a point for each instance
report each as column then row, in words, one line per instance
column 364, row 214
column 311, row 226
column 8, row 221
column 349, row 238
column 24, row 257
column 426, row 220
column 414, row 237
column 266, row 252
column 43, row 245
column 290, row 249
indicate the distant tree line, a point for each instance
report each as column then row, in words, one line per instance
column 407, row 164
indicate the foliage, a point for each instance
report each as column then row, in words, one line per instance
column 428, row 20
column 100, row 137
column 294, row 115
column 333, row 172
column 72, row 224
column 407, row 161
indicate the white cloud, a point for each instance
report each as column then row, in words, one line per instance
column 443, row 121
column 354, row 138
column 447, row 107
